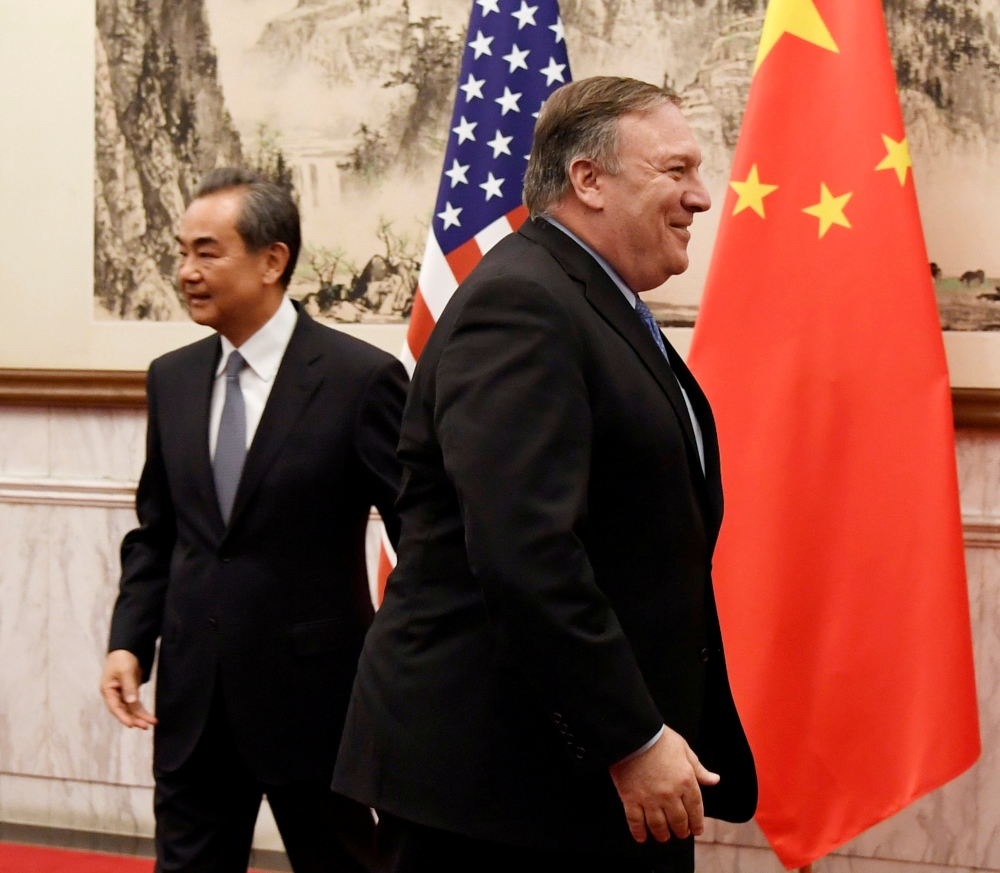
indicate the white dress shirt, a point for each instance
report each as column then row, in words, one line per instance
column 631, row 298
column 263, row 353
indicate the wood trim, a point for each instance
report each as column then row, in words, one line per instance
column 98, row 388
column 974, row 407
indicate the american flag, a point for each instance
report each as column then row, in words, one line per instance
column 515, row 56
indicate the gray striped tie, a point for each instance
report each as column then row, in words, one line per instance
column 231, row 445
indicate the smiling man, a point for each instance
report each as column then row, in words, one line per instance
column 267, row 445
column 544, row 687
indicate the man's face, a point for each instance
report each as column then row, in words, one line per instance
column 650, row 203
column 224, row 284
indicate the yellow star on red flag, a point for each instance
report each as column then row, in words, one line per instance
column 800, row 18
column 751, row 193
column 829, row 210
column 897, row 157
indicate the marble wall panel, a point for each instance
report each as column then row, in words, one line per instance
column 978, row 456
column 71, row 804
column 98, row 807
column 24, row 651
column 85, row 741
column 57, row 584
column 97, row 443
column 58, row 575
column 984, row 573
column 24, row 441
column 714, row 858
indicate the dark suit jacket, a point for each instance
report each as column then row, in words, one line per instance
column 272, row 609
column 552, row 606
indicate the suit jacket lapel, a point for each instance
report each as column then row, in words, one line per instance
column 609, row 301
column 710, row 439
column 294, row 385
column 197, row 415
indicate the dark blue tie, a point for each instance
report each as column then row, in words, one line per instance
column 647, row 319
column 231, row 444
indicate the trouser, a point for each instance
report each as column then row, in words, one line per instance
column 407, row 847
column 207, row 808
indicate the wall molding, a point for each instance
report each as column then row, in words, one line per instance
column 981, row 530
column 95, row 388
column 973, row 407
column 99, row 494
column 976, row 407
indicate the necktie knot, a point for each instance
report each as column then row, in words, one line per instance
column 235, row 364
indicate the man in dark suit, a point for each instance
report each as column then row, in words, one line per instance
column 267, row 445
column 544, row 686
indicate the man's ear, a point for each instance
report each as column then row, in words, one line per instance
column 276, row 258
column 585, row 177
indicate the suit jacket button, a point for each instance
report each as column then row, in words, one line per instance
column 213, row 623
column 705, row 653
column 580, row 752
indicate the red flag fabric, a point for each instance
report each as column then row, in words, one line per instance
column 839, row 570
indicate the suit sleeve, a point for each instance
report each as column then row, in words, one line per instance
column 146, row 553
column 515, row 426
column 377, row 438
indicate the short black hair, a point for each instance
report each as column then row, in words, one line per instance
column 268, row 214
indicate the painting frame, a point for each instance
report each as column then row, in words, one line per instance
column 52, row 349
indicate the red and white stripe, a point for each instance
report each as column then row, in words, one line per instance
column 440, row 275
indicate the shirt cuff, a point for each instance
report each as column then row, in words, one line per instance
column 645, row 747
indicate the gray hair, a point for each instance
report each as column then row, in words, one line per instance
column 580, row 120
column 268, row 214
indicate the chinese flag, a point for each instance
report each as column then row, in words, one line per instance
column 839, row 570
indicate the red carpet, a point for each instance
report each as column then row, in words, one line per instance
column 36, row 859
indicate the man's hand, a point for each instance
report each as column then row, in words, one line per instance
column 120, row 688
column 659, row 789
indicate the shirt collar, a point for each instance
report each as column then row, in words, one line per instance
column 265, row 349
column 628, row 292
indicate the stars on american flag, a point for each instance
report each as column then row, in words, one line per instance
column 465, row 129
column 553, row 72
column 450, row 216
column 525, row 15
column 508, row 101
column 472, row 88
column 457, row 173
column 500, row 144
column 492, row 187
column 481, row 45
column 515, row 57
